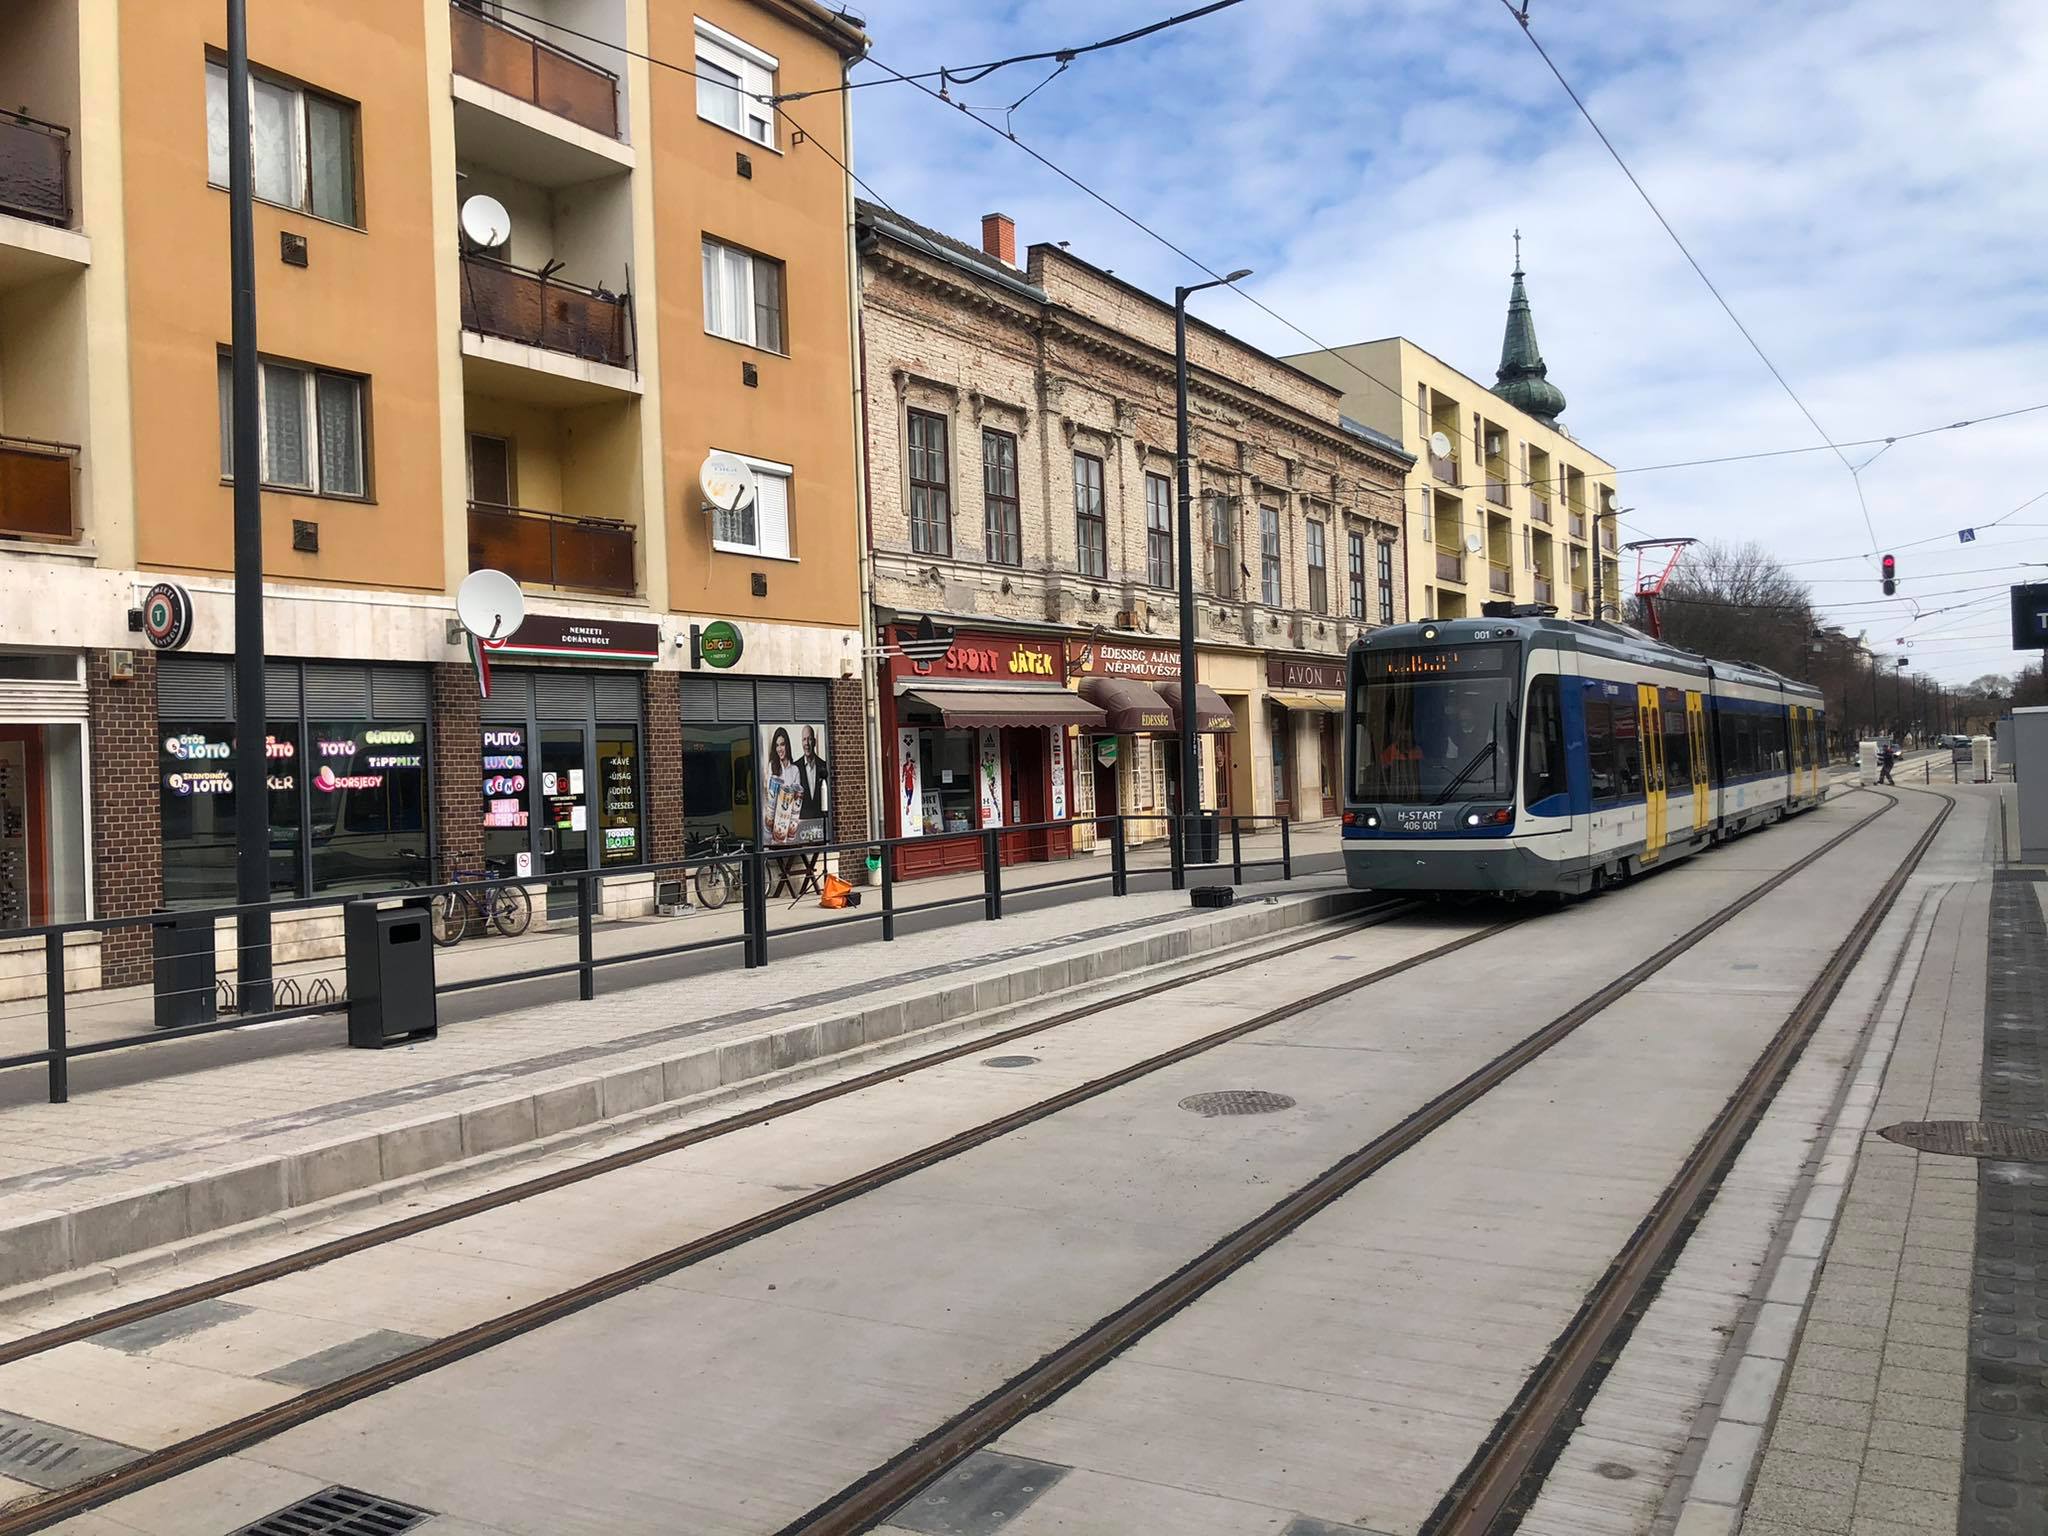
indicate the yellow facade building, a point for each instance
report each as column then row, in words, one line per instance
column 1503, row 503
column 515, row 280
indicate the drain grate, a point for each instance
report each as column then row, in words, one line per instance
column 49, row 1456
column 1011, row 1061
column 1236, row 1101
column 340, row 1511
column 1992, row 1139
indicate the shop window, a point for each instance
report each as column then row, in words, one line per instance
column 1091, row 523
column 196, row 787
column 367, row 783
column 1003, row 535
column 946, row 773
column 507, row 768
column 718, row 781
column 42, row 821
column 931, row 493
column 618, row 782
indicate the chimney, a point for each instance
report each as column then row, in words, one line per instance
column 999, row 237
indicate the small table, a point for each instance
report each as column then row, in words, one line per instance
column 796, row 875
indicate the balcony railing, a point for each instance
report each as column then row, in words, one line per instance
column 1450, row 565
column 1445, row 468
column 1543, row 589
column 35, row 180
column 1539, row 509
column 1501, row 579
column 541, row 310
column 523, row 64
column 546, row 549
column 36, row 490
column 1496, row 490
column 1578, row 525
column 1581, row 603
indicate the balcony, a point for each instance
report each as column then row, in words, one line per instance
column 546, row 549
column 1445, row 468
column 1500, row 579
column 1450, row 565
column 36, row 490
column 35, row 170
column 532, row 335
column 1544, row 590
column 1607, row 535
column 528, row 68
column 1577, row 524
column 1539, row 509
column 1582, row 605
column 1496, row 490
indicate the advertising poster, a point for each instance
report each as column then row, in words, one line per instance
column 1059, row 774
column 909, row 791
column 505, row 777
column 991, row 778
column 796, row 794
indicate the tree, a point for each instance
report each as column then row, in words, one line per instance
column 1736, row 602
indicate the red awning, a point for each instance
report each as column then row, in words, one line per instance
column 1211, row 713
column 1016, row 704
column 1134, row 708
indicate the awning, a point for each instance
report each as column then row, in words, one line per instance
column 1310, row 703
column 1134, row 708
column 1211, row 713
column 1014, row 704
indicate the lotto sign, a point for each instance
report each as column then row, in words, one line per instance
column 167, row 616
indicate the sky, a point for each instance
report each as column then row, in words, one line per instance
column 1864, row 180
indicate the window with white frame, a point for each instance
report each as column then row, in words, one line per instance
column 743, row 296
column 1159, row 530
column 302, row 147
column 309, row 428
column 763, row 527
column 734, row 81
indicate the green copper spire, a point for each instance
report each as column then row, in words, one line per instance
column 1523, row 380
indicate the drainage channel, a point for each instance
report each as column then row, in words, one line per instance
column 868, row 1500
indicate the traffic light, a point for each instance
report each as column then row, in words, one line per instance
column 1891, row 576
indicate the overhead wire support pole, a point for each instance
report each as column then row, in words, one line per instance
column 252, row 757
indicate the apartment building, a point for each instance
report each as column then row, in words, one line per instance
column 1020, row 443
column 1503, row 503
column 514, row 283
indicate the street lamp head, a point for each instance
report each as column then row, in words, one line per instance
column 1239, row 275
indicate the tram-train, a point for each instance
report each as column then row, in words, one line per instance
column 1522, row 753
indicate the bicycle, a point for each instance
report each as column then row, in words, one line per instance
column 718, row 878
column 506, row 908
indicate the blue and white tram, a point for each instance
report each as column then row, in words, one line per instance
column 1527, row 753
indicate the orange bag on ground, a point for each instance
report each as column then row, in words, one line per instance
column 835, row 892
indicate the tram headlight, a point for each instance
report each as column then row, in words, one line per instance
column 1472, row 820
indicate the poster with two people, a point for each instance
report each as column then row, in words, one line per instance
column 796, row 795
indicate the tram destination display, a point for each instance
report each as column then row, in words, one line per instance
column 1437, row 661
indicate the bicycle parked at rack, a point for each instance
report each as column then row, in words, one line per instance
column 715, row 852
column 506, row 908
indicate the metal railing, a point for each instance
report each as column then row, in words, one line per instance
column 551, row 549
column 764, row 873
column 35, row 169
column 523, row 64
column 1496, row 490
column 1445, row 467
column 1501, row 579
column 1543, row 589
column 1450, row 565
column 38, row 497
column 1577, row 524
column 1581, row 603
column 1539, row 509
column 542, row 310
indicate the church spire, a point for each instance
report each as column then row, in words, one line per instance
column 1523, row 380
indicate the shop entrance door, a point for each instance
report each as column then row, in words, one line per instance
column 565, row 783
column 1281, row 724
column 24, row 849
column 1225, row 805
column 1023, row 753
column 1106, row 807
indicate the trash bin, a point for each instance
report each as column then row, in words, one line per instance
column 390, row 974
column 182, row 947
column 1203, row 837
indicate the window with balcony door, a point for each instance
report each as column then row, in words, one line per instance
column 734, row 78
column 743, row 297
column 1354, row 569
column 1221, row 528
column 931, row 486
column 1269, row 556
column 490, row 471
column 302, row 150
column 311, row 427
column 1091, row 521
column 1002, row 532
column 763, row 527
column 1318, row 569
column 1159, row 530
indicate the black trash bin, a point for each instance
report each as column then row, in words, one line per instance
column 182, row 947
column 390, row 974
column 1204, row 837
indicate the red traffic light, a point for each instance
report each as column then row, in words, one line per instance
column 1891, row 575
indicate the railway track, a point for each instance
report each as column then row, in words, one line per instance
column 1515, row 1454
column 871, row 1496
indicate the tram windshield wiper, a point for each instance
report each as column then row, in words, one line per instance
column 1483, row 755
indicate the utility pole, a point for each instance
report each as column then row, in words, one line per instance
column 252, row 755
column 1190, row 794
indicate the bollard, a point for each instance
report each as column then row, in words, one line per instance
column 586, row 975
column 757, row 878
column 991, row 874
column 1236, row 852
column 53, row 1009
column 1119, row 867
column 888, row 895
column 1286, row 852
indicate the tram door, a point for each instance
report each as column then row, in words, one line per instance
column 1696, row 735
column 1651, row 729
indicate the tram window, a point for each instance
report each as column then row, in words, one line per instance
column 1774, row 742
column 1544, row 774
column 1628, row 752
column 1600, row 748
column 1677, row 741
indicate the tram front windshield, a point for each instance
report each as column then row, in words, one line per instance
column 1434, row 724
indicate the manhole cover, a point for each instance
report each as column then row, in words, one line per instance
column 1615, row 1471
column 1971, row 1138
column 1236, row 1101
column 1011, row 1061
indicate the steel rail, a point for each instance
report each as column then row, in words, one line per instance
column 224, row 1440
column 1491, row 1496
column 863, row 1503
column 327, row 1252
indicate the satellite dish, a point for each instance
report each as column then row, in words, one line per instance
column 1473, row 542
column 489, row 605
column 485, row 221
column 1439, row 444
column 727, row 481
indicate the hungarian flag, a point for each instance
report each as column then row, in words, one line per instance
column 481, row 657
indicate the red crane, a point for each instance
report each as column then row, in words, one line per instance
column 1651, row 575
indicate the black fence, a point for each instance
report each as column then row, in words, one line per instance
column 189, row 996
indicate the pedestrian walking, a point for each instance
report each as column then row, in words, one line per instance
column 1887, row 754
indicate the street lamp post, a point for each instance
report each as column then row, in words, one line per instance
column 1190, row 796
